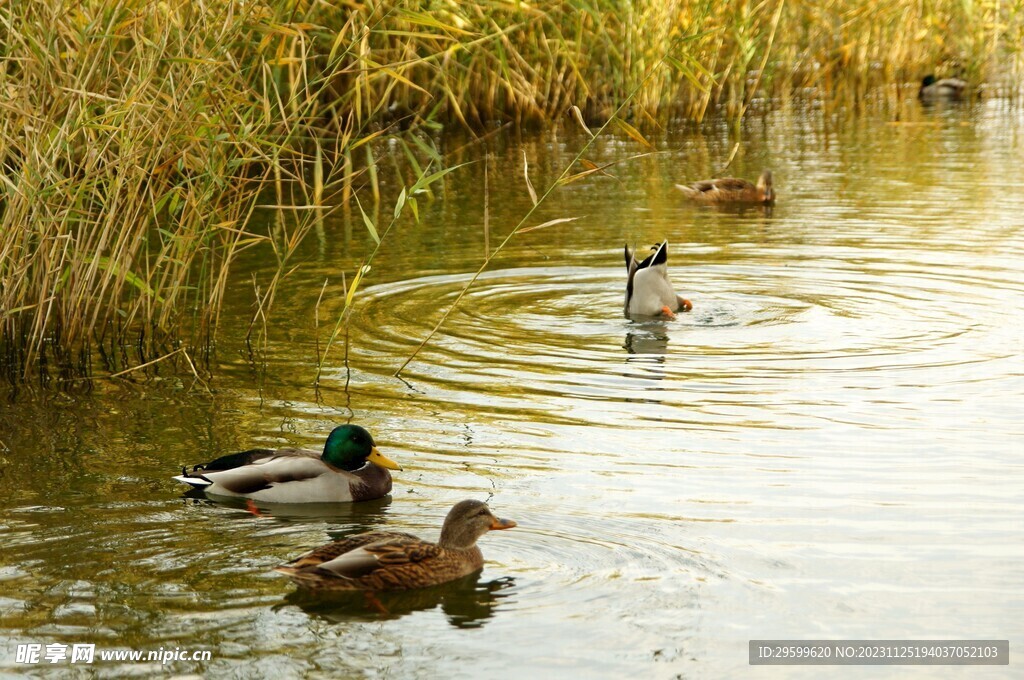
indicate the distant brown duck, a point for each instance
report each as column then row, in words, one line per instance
column 946, row 89
column 731, row 190
column 382, row 560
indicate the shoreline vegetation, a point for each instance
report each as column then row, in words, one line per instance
column 137, row 138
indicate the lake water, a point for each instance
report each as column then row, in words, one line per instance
column 828, row 446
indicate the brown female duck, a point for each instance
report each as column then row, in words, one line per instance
column 382, row 560
column 731, row 190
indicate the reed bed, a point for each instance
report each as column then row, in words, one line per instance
column 137, row 138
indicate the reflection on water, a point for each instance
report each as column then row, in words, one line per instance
column 647, row 345
column 826, row 446
column 466, row 603
column 646, row 341
column 365, row 514
column 745, row 210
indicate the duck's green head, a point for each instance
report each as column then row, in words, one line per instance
column 348, row 447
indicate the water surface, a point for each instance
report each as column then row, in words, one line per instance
column 828, row 446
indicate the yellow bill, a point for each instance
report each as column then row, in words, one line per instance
column 380, row 460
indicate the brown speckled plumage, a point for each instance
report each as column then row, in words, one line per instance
column 731, row 190
column 397, row 561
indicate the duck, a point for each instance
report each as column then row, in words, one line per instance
column 649, row 291
column 386, row 560
column 350, row 468
column 731, row 190
column 946, row 89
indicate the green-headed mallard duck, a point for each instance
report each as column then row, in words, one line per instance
column 731, row 190
column 349, row 469
column 947, row 89
column 648, row 289
column 382, row 560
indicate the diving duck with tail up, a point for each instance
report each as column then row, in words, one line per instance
column 649, row 291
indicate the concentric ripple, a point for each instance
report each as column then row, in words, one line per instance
column 525, row 338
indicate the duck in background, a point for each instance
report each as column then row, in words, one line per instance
column 946, row 89
column 649, row 291
column 350, row 468
column 731, row 190
column 387, row 560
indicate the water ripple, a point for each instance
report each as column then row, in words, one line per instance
column 528, row 339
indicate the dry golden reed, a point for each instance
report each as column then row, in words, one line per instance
column 137, row 137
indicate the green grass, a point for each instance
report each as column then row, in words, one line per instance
column 137, row 137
